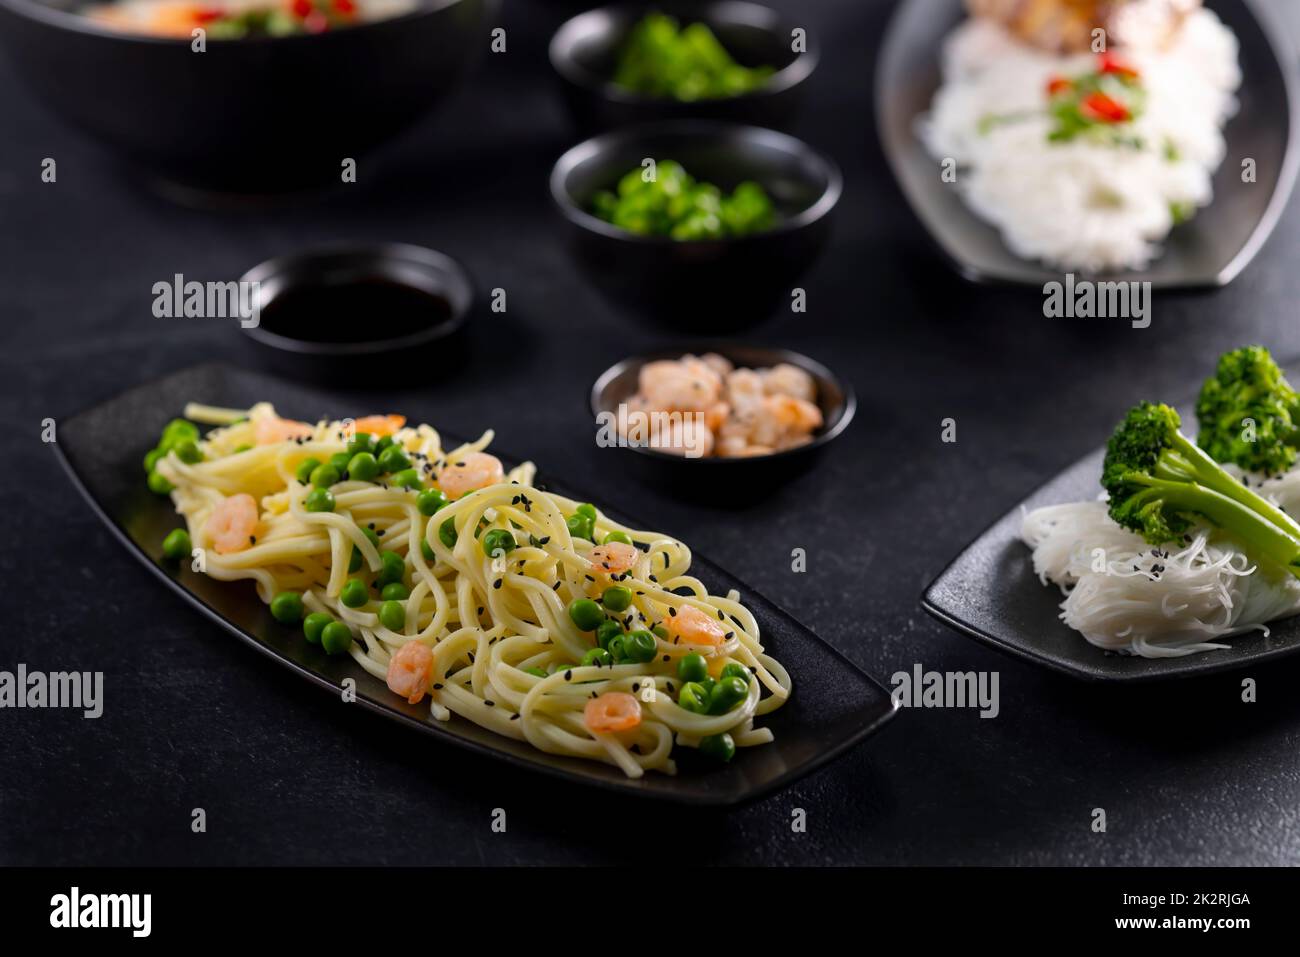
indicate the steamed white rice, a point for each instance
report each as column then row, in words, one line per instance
column 1083, row 205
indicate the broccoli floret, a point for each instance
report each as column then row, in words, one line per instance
column 1249, row 414
column 1160, row 484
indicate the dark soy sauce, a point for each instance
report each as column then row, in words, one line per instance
column 359, row 310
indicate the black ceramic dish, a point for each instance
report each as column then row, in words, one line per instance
column 1209, row 251
column 323, row 309
column 834, row 705
column 990, row 593
column 585, row 51
column 247, row 116
column 711, row 285
column 707, row 475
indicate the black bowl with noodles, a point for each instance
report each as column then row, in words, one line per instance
column 585, row 53
column 254, row 115
column 716, row 478
column 710, row 285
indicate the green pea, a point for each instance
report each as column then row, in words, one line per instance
column 313, row 625
column 392, row 615
column 693, row 667
column 323, row 476
column 615, row 648
column 720, row 747
column 393, row 459
column 354, row 562
column 363, row 467
column 177, row 544
column 639, row 646
column 707, row 684
column 242, row 447
column 286, row 608
column 661, row 631
column 152, row 458
column 382, row 444
column 178, row 430
column 586, row 614
column 319, row 500
column 581, row 527
column 361, row 442
column 693, row 698
column 447, row 533
column 623, row 537
column 536, row 672
column 336, row 638
column 187, row 450
column 305, row 468
column 430, row 500
column 587, row 511
column 597, row 656
column 734, row 669
column 159, row 485
column 607, row 632
column 395, row 591
column 726, row 694
column 340, row 461
column 427, row 551
column 616, row 598
column 393, row 570
column 406, row 478
column 354, row 593
column 498, row 542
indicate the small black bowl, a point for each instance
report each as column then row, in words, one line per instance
column 708, row 285
column 585, row 51
column 323, row 309
column 249, row 116
column 711, row 477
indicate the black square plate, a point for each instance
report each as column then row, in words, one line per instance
column 991, row 593
column 834, row 705
column 1209, row 251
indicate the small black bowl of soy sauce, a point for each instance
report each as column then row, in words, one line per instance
column 321, row 310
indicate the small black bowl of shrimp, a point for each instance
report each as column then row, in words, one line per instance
column 703, row 417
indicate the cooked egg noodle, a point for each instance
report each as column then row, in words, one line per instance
column 485, row 618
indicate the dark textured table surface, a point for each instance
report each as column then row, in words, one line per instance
column 1187, row 774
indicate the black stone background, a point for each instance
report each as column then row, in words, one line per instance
column 1186, row 773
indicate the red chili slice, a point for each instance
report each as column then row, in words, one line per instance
column 1110, row 63
column 1099, row 106
column 1058, row 84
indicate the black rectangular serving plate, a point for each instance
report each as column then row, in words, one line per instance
column 834, row 705
column 1209, row 251
column 991, row 593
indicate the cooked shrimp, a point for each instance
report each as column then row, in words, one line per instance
column 233, row 524
column 614, row 558
column 472, row 472
column 785, row 379
column 379, row 425
column 272, row 429
column 409, row 671
column 613, row 711
column 796, row 415
column 688, row 436
column 685, row 385
column 694, row 627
